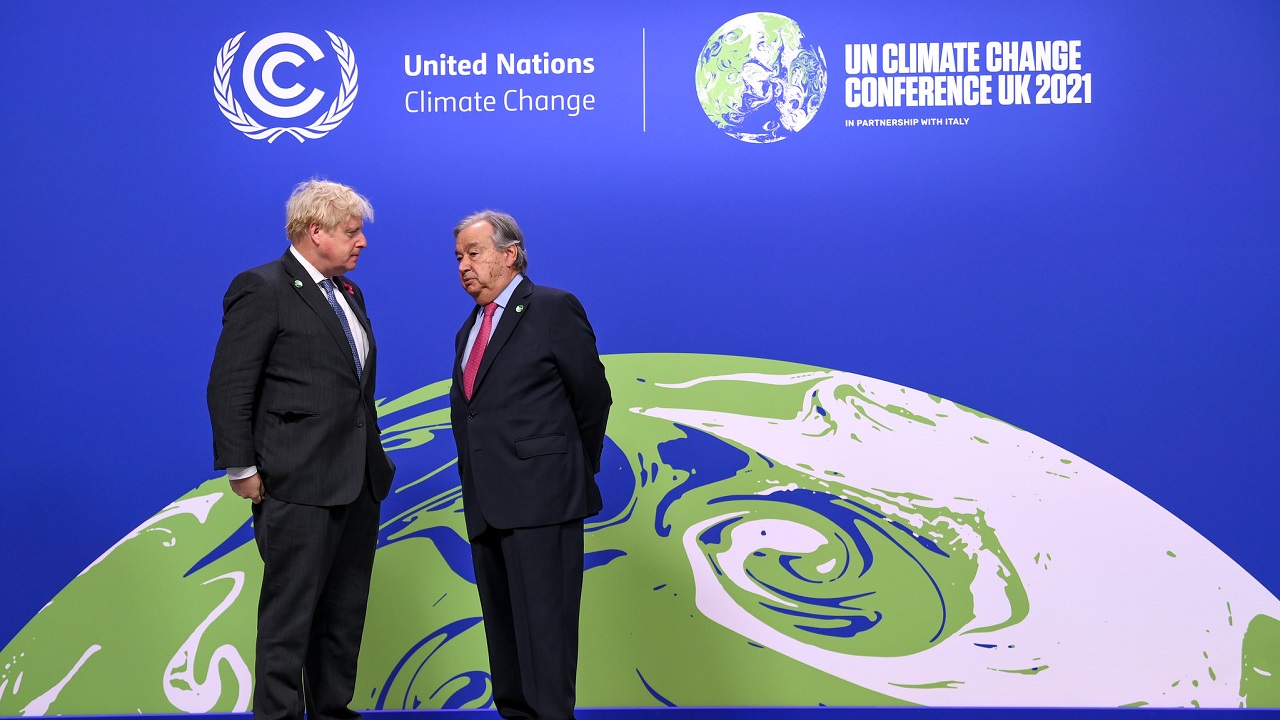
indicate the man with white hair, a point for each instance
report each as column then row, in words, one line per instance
column 529, row 405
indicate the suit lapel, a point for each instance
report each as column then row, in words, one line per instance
column 352, row 300
column 501, row 334
column 313, row 296
column 357, row 308
column 460, row 342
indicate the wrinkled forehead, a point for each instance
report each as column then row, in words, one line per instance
column 467, row 242
column 352, row 224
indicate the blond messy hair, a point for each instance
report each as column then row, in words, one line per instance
column 324, row 203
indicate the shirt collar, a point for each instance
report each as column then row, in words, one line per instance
column 316, row 277
column 505, row 296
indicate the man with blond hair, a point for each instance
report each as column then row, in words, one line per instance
column 291, row 401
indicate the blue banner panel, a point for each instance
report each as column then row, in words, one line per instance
column 941, row 339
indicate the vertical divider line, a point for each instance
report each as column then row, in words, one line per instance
column 644, row 86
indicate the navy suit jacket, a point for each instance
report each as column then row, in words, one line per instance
column 283, row 391
column 531, row 436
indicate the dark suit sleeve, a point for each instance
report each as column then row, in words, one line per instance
column 578, row 362
column 248, row 332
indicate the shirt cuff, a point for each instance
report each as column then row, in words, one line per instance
column 242, row 473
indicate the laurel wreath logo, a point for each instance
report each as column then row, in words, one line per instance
column 241, row 120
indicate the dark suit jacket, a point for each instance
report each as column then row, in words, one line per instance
column 530, row 439
column 283, row 392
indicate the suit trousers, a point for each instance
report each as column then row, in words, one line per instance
column 530, row 585
column 317, row 562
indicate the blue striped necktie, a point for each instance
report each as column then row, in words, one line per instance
column 346, row 328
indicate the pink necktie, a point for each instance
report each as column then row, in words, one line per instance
column 477, row 351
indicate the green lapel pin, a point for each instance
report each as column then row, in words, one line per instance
column 519, row 308
column 297, row 283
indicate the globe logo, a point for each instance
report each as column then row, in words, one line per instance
column 878, row 542
column 759, row 80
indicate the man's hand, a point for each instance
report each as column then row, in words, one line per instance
column 249, row 488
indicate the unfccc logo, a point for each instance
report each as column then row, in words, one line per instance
column 260, row 65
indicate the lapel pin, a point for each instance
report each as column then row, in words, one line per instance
column 297, row 283
column 519, row 308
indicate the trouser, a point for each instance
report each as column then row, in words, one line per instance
column 317, row 562
column 530, row 583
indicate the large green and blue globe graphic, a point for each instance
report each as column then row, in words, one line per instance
column 774, row 534
column 759, row 80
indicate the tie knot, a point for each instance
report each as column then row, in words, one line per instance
column 490, row 309
column 327, row 284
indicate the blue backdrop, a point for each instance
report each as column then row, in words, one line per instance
column 1101, row 275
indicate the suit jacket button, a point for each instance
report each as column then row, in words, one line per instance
column 471, row 414
column 360, row 423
